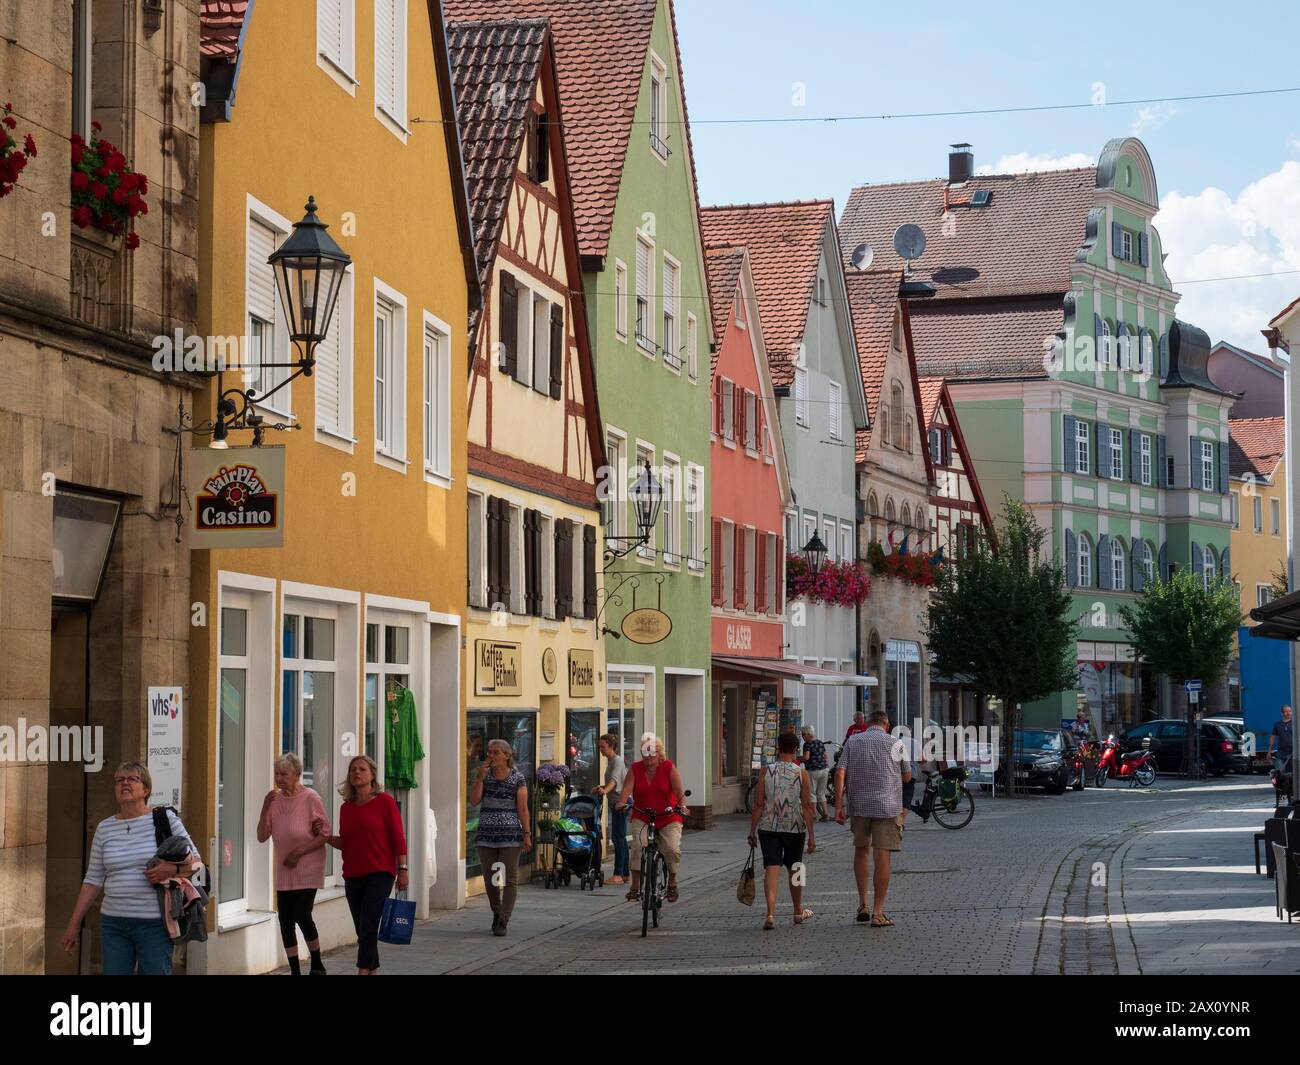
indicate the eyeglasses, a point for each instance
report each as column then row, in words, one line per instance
column 127, row 780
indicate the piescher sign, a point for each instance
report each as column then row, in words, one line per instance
column 582, row 674
column 237, row 497
column 496, row 668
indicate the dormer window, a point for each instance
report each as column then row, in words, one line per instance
column 1126, row 246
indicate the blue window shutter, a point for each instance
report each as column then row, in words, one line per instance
column 1103, row 562
column 1198, row 559
column 1134, row 456
column 1194, row 462
column 1164, row 562
column 1071, row 559
column 1144, row 249
column 1135, row 558
column 1096, row 339
column 1162, row 467
column 1116, row 242
column 1070, row 449
column 1223, row 468
column 1101, row 466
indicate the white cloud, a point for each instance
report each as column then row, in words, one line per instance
column 1153, row 117
column 1023, row 161
column 1210, row 235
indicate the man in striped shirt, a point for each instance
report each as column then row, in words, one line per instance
column 871, row 774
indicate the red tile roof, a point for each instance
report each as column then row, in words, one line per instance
column 495, row 66
column 1255, row 446
column 785, row 244
column 600, row 49
column 220, row 23
column 722, row 266
column 979, row 339
column 1024, row 241
column 873, row 303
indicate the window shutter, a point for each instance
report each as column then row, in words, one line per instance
column 588, row 571
column 670, row 301
column 493, row 554
column 1098, row 339
column 557, row 351
column 1198, row 559
column 715, row 561
column 1162, row 467
column 1164, row 562
column 1116, row 240
column 509, row 325
column 1135, row 456
column 738, row 575
column 643, row 279
column 386, row 61
column 1071, row 559
column 1193, row 462
column 329, row 29
column 329, row 375
column 801, row 396
column 1144, row 249
column 1135, row 556
column 1071, row 447
column 1225, row 564
column 506, row 550
column 563, row 569
column 760, row 573
column 1102, row 570
column 1223, row 468
column 738, row 413
column 534, row 553
column 779, row 582
column 1164, row 356
column 835, row 410
column 717, row 405
column 1101, row 450
column 261, row 278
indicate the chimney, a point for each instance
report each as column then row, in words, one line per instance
column 961, row 164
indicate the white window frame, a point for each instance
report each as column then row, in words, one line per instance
column 1145, row 448
column 846, row 542
column 1209, row 566
column 83, row 53
column 1126, row 245
column 672, row 344
column 809, row 527
column 1118, row 573
column 1085, row 560
column 579, row 576
column 1275, row 516
column 692, row 347
column 831, row 539
column 750, row 576
column 672, row 485
column 476, row 531
column 645, row 341
column 1234, row 509
column 1148, row 562
column 394, row 117
column 1116, row 454
column 1082, row 447
column 801, row 406
column 1263, row 594
column 728, row 412
column 1107, row 344
column 1257, row 513
column 1207, row 466
column 658, row 108
column 539, row 351
column 436, row 400
column 281, row 403
column 751, row 422
column 518, row 604
column 390, row 449
column 340, row 434
column 836, row 414
column 342, row 68
column 694, row 518
column 616, row 529
column 620, row 299
column 546, row 559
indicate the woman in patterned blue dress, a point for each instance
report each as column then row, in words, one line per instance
column 501, row 793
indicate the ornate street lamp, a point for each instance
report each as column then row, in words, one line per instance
column 814, row 553
column 647, row 498
column 309, row 268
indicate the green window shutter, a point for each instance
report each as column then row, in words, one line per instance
column 1103, row 562
column 1101, row 450
column 1071, row 559
column 1223, row 468
column 1162, row 467
column 1135, row 456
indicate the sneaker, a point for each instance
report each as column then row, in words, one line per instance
column 499, row 928
column 496, row 921
column 317, row 970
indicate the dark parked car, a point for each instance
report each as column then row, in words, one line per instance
column 1041, row 761
column 1167, row 737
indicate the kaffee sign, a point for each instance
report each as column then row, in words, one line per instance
column 238, row 497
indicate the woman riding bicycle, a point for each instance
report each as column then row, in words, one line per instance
column 654, row 784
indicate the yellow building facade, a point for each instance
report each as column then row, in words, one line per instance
column 307, row 647
column 1258, row 486
column 534, row 665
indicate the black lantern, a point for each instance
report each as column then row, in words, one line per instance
column 309, row 269
column 814, row 553
column 647, row 497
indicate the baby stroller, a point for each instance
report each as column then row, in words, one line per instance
column 577, row 844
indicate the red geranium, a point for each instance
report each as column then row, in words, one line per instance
column 106, row 192
column 836, row 583
column 13, row 160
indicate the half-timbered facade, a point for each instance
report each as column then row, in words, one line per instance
column 958, row 510
column 533, row 650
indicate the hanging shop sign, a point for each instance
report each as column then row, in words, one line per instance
column 582, row 674
column 549, row 665
column 647, row 625
column 496, row 668
column 166, row 723
column 238, row 497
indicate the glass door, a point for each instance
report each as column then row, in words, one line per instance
column 308, row 715
column 232, row 735
column 582, row 756
column 388, row 671
column 519, row 729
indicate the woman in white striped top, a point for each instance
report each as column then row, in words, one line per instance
column 131, row 926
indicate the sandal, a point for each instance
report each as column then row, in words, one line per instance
column 881, row 921
column 672, row 892
column 864, row 915
column 615, row 880
column 769, row 923
column 802, row 916
column 633, row 896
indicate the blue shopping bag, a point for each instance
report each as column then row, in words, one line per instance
column 398, row 922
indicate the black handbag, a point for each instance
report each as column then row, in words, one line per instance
column 745, row 889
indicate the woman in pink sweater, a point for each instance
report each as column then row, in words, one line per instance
column 294, row 817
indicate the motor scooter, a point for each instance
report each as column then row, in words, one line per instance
column 1138, row 767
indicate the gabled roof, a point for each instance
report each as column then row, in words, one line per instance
column 495, row 67
column 221, row 23
column 1024, row 241
column 722, row 267
column 600, row 49
column 1255, row 446
column 978, row 339
column 1284, row 312
column 785, row 245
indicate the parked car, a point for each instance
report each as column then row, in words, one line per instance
column 1166, row 738
column 1260, row 763
column 1041, row 761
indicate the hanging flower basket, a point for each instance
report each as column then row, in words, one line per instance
column 836, row 583
column 13, row 160
column 106, row 193
column 921, row 570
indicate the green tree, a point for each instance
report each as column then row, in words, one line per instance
column 1185, row 628
column 1003, row 618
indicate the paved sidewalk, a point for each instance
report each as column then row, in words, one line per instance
column 1192, row 902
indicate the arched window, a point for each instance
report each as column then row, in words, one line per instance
column 889, row 521
column 1085, row 561
column 1209, row 567
column 884, row 421
column 1125, row 347
column 1117, row 581
column 896, row 403
column 1149, row 562
column 1103, row 356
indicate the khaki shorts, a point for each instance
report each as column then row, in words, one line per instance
column 668, row 838
column 883, row 833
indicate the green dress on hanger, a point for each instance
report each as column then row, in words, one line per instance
column 402, row 741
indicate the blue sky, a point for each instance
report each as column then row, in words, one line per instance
column 1228, row 170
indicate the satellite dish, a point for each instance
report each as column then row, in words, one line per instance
column 863, row 257
column 909, row 242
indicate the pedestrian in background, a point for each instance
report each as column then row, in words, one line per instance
column 293, row 817
column 131, row 929
column 503, row 829
column 374, row 854
column 819, row 769
column 782, row 818
column 615, row 775
column 872, row 771
column 859, row 725
column 1282, row 735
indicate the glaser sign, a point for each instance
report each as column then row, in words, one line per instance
column 238, row 497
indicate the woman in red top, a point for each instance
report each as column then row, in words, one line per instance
column 654, row 784
column 374, row 855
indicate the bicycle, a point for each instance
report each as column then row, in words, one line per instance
column 954, row 811
column 654, row 869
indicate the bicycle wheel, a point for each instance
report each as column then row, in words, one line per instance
column 648, row 887
column 661, row 886
column 959, row 814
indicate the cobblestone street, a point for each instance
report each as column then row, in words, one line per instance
column 1017, row 891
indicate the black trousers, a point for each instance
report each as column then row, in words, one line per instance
column 366, row 896
column 294, row 908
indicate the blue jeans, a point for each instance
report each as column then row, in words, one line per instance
column 618, row 836
column 127, row 941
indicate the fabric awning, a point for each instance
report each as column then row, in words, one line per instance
column 786, row 667
column 1278, row 620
